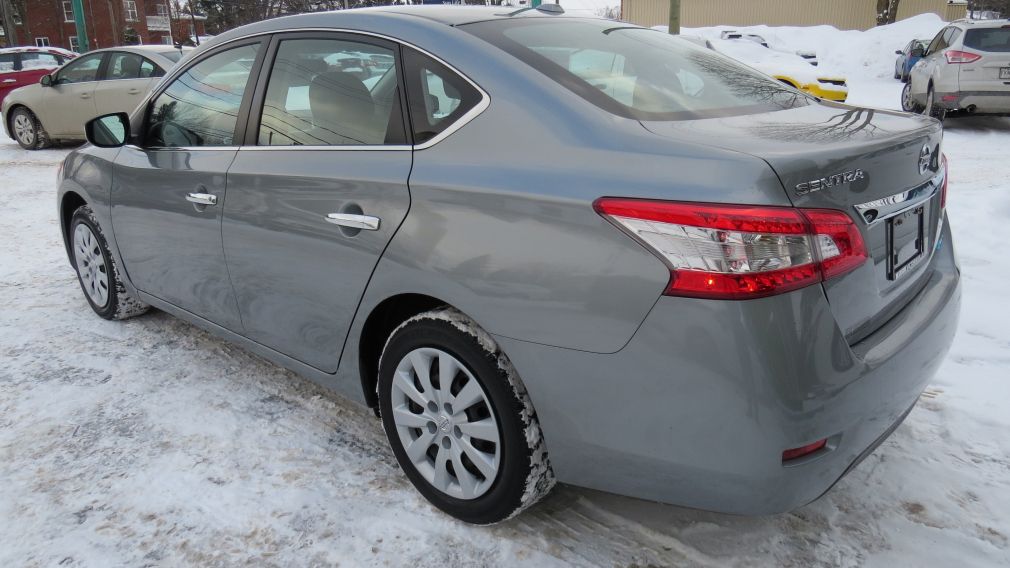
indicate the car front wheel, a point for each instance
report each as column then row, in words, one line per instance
column 96, row 269
column 459, row 420
column 27, row 130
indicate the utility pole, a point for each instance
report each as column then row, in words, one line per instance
column 192, row 18
column 10, row 28
column 82, row 28
column 674, row 17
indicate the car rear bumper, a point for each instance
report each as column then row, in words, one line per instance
column 698, row 407
column 979, row 102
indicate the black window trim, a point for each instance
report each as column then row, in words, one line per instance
column 138, row 122
column 251, row 138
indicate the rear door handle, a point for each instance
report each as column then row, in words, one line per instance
column 202, row 198
column 134, row 91
column 366, row 222
column 85, row 96
column 10, row 81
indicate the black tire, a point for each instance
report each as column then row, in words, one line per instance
column 524, row 475
column 931, row 108
column 119, row 304
column 37, row 139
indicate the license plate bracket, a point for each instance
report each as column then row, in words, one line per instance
column 906, row 241
column 1004, row 72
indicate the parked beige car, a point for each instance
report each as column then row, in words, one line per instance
column 100, row 82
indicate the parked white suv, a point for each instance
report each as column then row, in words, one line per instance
column 966, row 69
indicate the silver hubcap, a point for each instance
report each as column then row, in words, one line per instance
column 24, row 129
column 445, row 423
column 91, row 266
column 906, row 97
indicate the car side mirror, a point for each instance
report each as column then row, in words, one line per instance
column 46, row 81
column 897, row 52
column 433, row 104
column 108, row 131
column 918, row 52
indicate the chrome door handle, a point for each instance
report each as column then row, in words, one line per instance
column 366, row 222
column 10, row 81
column 202, row 198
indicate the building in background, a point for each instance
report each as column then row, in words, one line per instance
column 109, row 23
column 842, row 14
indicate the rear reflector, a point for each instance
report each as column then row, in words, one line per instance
column 955, row 57
column 806, row 450
column 736, row 252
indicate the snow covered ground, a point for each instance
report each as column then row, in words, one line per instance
column 150, row 442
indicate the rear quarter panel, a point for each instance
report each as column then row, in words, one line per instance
column 501, row 223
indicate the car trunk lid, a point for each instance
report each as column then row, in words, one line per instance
column 861, row 161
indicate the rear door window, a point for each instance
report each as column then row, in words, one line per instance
column 332, row 92
column 436, row 95
column 992, row 39
column 40, row 61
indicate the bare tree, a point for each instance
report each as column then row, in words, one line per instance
column 887, row 11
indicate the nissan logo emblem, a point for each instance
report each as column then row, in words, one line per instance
column 925, row 159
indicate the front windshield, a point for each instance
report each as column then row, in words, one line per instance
column 636, row 72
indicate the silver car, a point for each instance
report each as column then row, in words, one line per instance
column 965, row 70
column 100, row 82
column 541, row 247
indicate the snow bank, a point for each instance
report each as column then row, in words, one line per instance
column 868, row 54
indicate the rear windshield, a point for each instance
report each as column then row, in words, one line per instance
column 637, row 72
column 988, row 39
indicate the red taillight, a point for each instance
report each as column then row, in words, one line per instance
column 955, row 57
column 804, row 450
column 739, row 252
column 946, row 178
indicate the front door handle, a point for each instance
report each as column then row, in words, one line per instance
column 85, row 96
column 134, row 91
column 366, row 222
column 10, row 81
column 202, row 198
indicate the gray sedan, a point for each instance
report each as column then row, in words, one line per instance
column 541, row 247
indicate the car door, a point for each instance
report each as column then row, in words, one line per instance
column 318, row 192
column 125, row 82
column 170, row 188
column 69, row 101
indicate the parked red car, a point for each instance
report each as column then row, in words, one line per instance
column 20, row 66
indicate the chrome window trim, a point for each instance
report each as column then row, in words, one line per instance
column 183, row 148
column 462, row 121
column 359, row 147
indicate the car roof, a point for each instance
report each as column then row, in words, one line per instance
column 965, row 24
column 35, row 49
column 457, row 15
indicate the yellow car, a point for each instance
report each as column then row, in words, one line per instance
column 788, row 68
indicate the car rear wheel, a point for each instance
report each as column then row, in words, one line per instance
column 96, row 270
column 907, row 104
column 459, row 420
column 931, row 109
column 27, row 130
